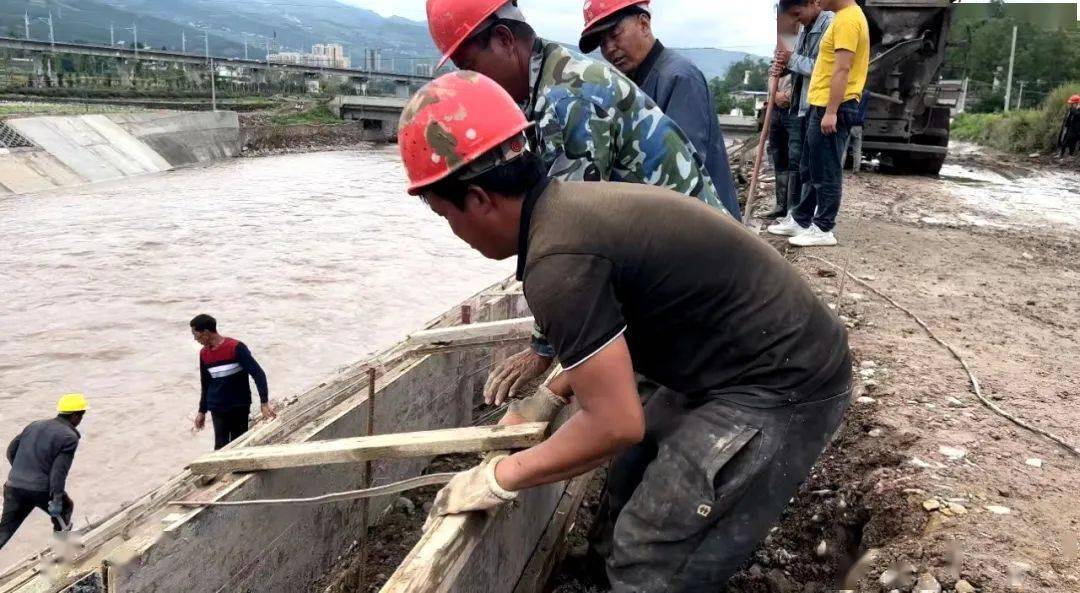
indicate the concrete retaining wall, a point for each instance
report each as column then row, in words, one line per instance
column 75, row 150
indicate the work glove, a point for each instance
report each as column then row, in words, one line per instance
column 513, row 374
column 56, row 507
column 471, row 490
column 541, row 406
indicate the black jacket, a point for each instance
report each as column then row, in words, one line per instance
column 41, row 456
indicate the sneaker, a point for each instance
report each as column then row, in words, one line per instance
column 787, row 227
column 813, row 237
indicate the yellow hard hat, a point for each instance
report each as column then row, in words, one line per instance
column 70, row 403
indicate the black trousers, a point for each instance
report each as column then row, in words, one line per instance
column 229, row 425
column 686, row 507
column 19, row 503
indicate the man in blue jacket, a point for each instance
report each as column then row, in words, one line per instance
column 623, row 32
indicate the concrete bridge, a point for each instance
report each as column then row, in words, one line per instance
column 122, row 53
column 378, row 114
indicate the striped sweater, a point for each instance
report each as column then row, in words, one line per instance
column 224, row 371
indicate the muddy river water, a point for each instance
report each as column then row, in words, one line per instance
column 312, row 260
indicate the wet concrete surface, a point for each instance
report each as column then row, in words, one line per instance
column 313, row 260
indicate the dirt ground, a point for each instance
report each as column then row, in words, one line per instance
column 923, row 481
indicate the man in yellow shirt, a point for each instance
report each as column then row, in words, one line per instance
column 836, row 88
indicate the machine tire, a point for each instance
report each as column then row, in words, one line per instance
column 917, row 163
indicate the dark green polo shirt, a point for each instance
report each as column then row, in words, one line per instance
column 706, row 307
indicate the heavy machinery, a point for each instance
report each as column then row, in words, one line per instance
column 907, row 125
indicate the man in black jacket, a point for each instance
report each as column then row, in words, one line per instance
column 40, row 459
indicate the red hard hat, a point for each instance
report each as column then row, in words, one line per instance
column 451, row 22
column 1073, row 100
column 454, row 121
column 598, row 10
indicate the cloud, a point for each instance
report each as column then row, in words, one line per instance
column 748, row 26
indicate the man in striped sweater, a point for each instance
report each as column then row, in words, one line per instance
column 224, row 367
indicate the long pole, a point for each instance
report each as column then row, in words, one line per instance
column 774, row 82
column 1012, row 61
column 1020, row 96
column 213, row 86
column 112, row 34
column 52, row 38
column 183, row 42
column 206, row 40
column 26, row 24
column 135, row 33
column 370, row 431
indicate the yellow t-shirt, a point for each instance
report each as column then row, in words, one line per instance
column 848, row 31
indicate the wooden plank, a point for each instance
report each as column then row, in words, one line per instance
column 495, row 330
column 552, row 544
column 384, row 446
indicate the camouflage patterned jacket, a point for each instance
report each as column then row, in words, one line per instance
column 594, row 124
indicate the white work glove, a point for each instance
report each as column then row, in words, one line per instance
column 513, row 374
column 471, row 490
column 541, row 406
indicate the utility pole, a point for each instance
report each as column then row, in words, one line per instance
column 206, row 40
column 1020, row 97
column 112, row 34
column 52, row 38
column 245, row 49
column 26, row 23
column 213, row 86
column 1008, row 81
column 183, row 41
column 267, row 51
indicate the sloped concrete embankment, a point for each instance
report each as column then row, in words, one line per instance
column 69, row 151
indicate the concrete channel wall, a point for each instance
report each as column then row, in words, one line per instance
column 74, row 150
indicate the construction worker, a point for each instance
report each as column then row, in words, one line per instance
column 1069, row 138
column 836, row 88
column 800, row 65
column 627, row 278
column 622, row 29
column 225, row 365
column 592, row 124
column 787, row 171
column 40, row 459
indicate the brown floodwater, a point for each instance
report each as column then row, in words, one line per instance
column 312, row 260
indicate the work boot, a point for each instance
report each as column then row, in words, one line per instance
column 782, row 181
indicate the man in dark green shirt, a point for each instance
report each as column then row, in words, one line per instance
column 756, row 371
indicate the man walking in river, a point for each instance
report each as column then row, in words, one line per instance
column 225, row 365
column 40, row 458
column 756, row 370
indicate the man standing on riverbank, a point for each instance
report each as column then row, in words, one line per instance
column 622, row 29
column 836, row 88
column 756, row 370
column 592, row 124
column 225, row 366
column 1070, row 128
column 40, row 458
column 800, row 64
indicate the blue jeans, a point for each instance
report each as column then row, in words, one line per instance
column 822, row 167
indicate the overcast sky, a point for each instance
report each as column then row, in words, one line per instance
column 740, row 25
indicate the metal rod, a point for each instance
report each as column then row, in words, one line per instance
column 369, row 431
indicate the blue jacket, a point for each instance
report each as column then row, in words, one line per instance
column 680, row 89
column 804, row 58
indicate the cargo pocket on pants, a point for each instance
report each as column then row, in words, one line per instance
column 679, row 499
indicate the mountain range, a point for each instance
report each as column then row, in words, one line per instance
column 225, row 26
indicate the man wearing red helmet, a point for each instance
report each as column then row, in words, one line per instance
column 757, row 371
column 1069, row 138
column 622, row 29
column 592, row 124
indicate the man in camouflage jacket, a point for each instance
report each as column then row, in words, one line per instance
column 592, row 124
